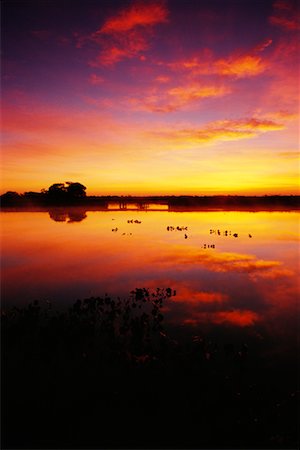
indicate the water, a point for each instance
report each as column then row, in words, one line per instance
column 235, row 268
column 225, row 372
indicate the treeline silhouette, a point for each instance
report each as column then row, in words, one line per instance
column 110, row 373
column 69, row 193
column 74, row 194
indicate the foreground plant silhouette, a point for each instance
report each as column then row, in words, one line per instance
column 125, row 328
column 109, row 373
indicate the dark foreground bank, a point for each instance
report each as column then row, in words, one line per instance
column 107, row 373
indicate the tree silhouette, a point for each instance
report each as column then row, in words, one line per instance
column 57, row 189
column 10, row 198
column 75, row 190
column 69, row 192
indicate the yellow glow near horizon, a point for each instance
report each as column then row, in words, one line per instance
column 139, row 119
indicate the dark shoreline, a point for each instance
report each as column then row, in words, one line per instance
column 172, row 203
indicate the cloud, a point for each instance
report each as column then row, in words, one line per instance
column 285, row 15
column 193, row 92
column 120, row 47
column 162, row 79
column 263, row 45
column 236, row 65
column 240, row 67
column 290, row 155
column 127, row 34
column 282, row 115
column 277, row 273
column 136, row 15
column 224, row 130
column 188, row 295
column 227, row 262
column 242, row 318
column 175, row 98
column 95, row 79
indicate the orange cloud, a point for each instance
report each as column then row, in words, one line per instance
column 136, row 15
column 193, row 92
column 240, row 67
column 282, row 115
column 227, row 262
column 249, row 124
column 226, row 130
column 177, row 97
column 235, row 65
column 290, row 155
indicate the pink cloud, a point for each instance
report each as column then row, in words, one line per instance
column 283, row 86
column 127, row 34
column 263, row 45
column 95, row 79
column 286, row 15
column 162, row 79
column 120, row 47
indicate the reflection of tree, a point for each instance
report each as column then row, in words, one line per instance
column 71, row 216
column 76, row 215
column 58, row 216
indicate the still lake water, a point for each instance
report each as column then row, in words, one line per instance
column 241, row 281
column 226, row 371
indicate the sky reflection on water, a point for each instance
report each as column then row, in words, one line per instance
column 239, row 281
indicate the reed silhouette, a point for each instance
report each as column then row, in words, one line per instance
column 110, row 373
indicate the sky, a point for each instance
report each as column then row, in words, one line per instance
column 166, row 97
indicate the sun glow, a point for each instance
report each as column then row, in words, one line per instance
column 140, row 107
